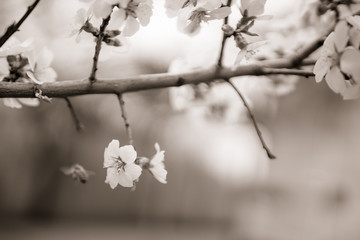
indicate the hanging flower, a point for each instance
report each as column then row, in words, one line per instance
column 77, row 172
column 120, row 164
column 157, row 167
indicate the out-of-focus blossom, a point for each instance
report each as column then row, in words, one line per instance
column 248, row 50
column 77, row 172
column 18, row 64
column 337, row 63
column 252, row 8
column 40, row 70
column 120, row 164
column 100, row 8
column 131, row 14
column 81, row 23
column 349, row 9
column 18, row 102
column 125, row 14
column 157, row 166
column 192, row 13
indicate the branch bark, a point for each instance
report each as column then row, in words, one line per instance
column 63, row 89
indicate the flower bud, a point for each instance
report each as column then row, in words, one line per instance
column 112, row 33
column 227, row 29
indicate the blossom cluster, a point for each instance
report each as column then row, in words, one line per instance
column 340, row 54
column 19, row 62
column 123, row 17
column 191, row 13
column 250, row 10
column 124, row 167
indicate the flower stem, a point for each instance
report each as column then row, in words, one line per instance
column 125, row 119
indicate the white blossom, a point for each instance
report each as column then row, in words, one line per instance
column 157, row 167
column 120, row 164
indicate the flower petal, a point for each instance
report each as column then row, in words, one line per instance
column 219, row 13
column 44, row 59
column 124, row 179
column 117, row 18
column 101, row 9
column 133, row 170
column 349, row 63
column 112, row 177
column 144, row 13
column 12, row 103
column 159, row 173
column 321, row 68
column 335, row 80
column 341, row 35
column 131, row 26
column 127, row 154
column 31, row 102
column 111, row 153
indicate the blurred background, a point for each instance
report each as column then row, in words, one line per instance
column 220, row 183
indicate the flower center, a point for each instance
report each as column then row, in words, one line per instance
column 131, row 9
column 120, row 165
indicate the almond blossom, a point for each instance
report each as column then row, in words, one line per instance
column 81, row 23
column 120, row 164
column 192, row 13
column 337, row 63
column 77, row 172
column 156, row 165
column 252, row 8
column 100, row 8
column 18, row 64
column 131, row 14
column 40, row 70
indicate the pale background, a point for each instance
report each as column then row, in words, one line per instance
column 219, row 182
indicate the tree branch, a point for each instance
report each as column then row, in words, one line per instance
column 15, row 26
column 268, row 152
column 63, row 89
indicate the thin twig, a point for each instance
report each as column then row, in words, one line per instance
column 15, row 26
column 99, row 40
column 226, row 19
column 268, row 152
column 78, row 125
column 125, row 119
